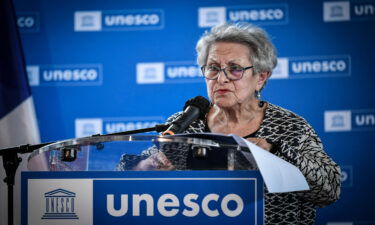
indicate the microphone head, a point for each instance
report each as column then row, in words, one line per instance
column 201, row 103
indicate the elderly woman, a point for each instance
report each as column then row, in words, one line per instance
column 236, row 61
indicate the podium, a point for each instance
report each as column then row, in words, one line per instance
column 182, row 179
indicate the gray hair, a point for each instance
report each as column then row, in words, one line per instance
column 262, row 51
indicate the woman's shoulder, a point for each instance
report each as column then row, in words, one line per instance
column 278, row 114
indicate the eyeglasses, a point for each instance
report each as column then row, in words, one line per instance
column 231, row 72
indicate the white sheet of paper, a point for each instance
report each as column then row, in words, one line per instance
column 278, row 174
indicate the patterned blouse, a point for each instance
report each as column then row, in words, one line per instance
column 295, row 141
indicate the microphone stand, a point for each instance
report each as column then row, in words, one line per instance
column 11, row 160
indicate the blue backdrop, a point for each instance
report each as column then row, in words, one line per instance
column 102, row 67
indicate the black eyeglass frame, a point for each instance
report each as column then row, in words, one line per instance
column 223, row 70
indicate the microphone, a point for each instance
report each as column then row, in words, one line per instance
column 194, row 108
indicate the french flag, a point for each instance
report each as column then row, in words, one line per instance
column 18, row 123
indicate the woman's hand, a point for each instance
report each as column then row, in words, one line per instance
column 261, row 143
column 157, row 161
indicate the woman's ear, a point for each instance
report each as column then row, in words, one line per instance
column 263, row 77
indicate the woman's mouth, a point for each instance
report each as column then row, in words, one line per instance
column 222, row 91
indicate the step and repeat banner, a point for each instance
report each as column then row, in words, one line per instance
column 110, row 66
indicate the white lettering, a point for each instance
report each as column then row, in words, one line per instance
column 114, row 127
column 131, row 20
column 137, row 199
column 168, row 200
column 168, row 205
column 111, row 206
column 226, row 200
column 364, row 10
column 183, row 72
column 279, row 14
column 206, row 200
column 25, row 21
column 319, row 66
column 365, row 120
column 70, row 75
column 341, row 65
column 192, row 205
column 256, row 15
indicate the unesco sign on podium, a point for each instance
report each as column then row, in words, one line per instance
column 213, row 179
column 142, row 197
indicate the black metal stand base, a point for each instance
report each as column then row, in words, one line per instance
column 11, row 162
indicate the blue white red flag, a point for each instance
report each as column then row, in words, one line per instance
column 18, row 123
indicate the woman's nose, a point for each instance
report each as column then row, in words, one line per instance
column 222, row 77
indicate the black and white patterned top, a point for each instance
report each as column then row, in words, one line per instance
column 296, row 142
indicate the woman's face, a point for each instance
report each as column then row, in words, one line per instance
column 224, row 92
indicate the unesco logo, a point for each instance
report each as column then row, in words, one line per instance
column 59, row 204
column 168, row 72
column 261, row 14
column 28, row 22
column 117, row 20
column 150, row 73
column 61, row 75
column 86, row 127
column 337, row 120
column 349, row 120
column 346, row 11
column 211, row 16
column 281, row 71
column 87, row 21
column 319, row 66
column 312, row 66
column 190, row 202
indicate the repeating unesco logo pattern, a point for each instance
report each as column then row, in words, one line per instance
column 346, row 11
column 119, row 20
column 349, row 120
column 88, row 126
column 59, row 205
column 292, row 67
column 262, row 14
column 56, row 75
column 28, row 21
column 168, row 72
